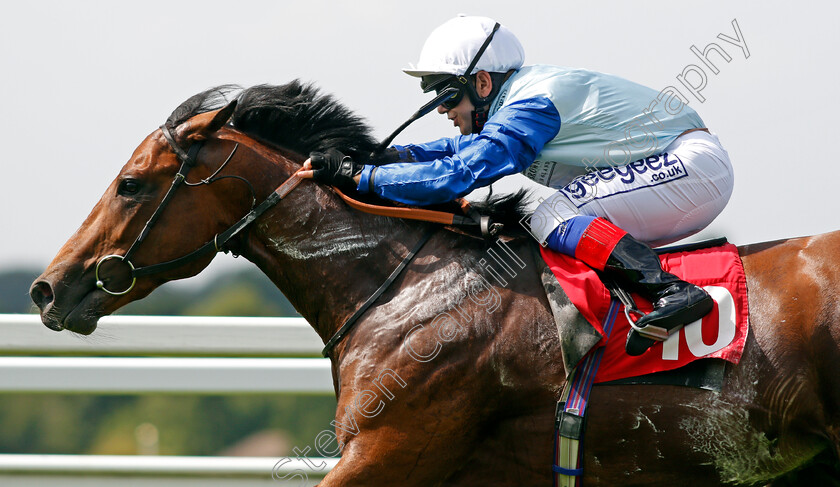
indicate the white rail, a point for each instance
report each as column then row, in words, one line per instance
column 129, row 375
column 213, row 355
column 164, row 335
column 160, row 470
column 167, row 335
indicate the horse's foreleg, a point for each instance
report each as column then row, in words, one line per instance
column 414, row 455
column 404, row 429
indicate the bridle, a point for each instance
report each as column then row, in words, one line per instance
column 217, row 244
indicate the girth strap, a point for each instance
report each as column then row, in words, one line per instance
column 345, row 328
column 571, row 409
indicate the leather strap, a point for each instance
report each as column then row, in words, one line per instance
column 571, row 410
column 183, row 156
column 408, row 213
column 348, row 325
column 187, row 163
column 219, row 241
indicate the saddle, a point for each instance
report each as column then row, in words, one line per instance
column 580, row 301
column 588, row 312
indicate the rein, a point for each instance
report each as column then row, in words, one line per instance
column 474, row 219
column 188, row 161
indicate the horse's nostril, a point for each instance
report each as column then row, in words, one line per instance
column 41, row 294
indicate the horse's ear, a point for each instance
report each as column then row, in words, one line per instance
column 221, row 118
column 202, row 125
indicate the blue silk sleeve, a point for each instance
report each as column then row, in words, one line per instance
column 509, row 143
column 437, row 149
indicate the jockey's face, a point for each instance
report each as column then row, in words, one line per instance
column 461, row 114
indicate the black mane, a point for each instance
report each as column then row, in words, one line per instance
column 295, row 116
column 299, row 117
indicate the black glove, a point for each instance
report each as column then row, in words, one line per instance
column 334, row 168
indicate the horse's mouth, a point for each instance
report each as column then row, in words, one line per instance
column 81, row 319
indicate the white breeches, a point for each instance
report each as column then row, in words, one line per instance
column 658, row 200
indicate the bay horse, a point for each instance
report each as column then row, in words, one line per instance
column 479, row 409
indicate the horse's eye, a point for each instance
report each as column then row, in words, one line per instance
column 128, row 187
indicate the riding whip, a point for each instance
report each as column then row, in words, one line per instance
column 428, row 107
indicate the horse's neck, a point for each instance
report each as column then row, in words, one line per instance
column 325, row 257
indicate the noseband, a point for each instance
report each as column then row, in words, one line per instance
column 188, row 161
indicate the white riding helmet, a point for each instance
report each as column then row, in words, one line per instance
column 451, row 48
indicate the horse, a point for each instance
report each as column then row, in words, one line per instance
column 466, row 400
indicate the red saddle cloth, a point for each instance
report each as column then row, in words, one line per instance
column 721, row 334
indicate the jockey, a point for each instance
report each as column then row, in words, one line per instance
column 631, row 166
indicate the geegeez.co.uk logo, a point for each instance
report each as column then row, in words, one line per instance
column 643, row 173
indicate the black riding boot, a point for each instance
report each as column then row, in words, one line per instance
column 675, row 302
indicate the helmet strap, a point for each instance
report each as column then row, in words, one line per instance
column 479, row 118
column 481, row 111
column 481, row 50
column 481, row 104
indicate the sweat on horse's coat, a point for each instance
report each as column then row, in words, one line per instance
column 481, row 413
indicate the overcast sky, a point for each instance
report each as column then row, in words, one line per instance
column 86, row 81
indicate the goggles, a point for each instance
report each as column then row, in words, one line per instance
column 459, row 83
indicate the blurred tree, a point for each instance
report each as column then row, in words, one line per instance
column 14, row 291
column 50, row 423
column 187, row 425
column 242, row 293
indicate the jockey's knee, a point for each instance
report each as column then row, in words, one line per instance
column 552, row 213
column 565, row 237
